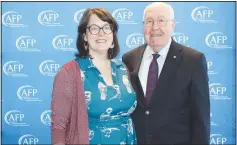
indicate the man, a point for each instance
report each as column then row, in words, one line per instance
column 171, row 84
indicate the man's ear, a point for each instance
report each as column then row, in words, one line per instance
column 173, row 24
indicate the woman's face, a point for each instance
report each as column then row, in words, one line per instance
column 99, row 35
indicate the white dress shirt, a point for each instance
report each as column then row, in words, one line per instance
column 146, row 60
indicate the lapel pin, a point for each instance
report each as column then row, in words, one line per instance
column 174, row 57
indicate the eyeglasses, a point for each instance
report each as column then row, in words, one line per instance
column 94, row 29
column 160, row 22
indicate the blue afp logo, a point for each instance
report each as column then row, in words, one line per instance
column 180, row 38
column 27, row 93
column 135, row 40
column 63, row 43
column 78, row 15
column 28, row 139
column 12, row 19
column 49, row 18
column 217, row 40
column 203, row 14
column 46, row 117
column 27, row 44
column 14, row 69
column 49, row 68
column 217, row 139
column 124, row 16
column 15, row 118
column 218, row 91
column 210, row 67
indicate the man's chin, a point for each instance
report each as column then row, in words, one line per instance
column 156, row 45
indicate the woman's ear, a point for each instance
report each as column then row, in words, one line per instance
column 85, row 37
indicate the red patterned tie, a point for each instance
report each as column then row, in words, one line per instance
column 152, row 77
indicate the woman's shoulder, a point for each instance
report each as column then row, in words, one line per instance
column 70, row 64
column 118, row 62
column 69, row 67
column 67, row 71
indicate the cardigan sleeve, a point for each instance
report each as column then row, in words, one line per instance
column 61, row 105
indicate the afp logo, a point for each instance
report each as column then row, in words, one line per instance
column 14, row 69
column 12, row 19
column 49, row 68
column 124, row 16
column 135, row 40
column 49, row 18
column 63, row 43
column 27, row 93
column 26, row 43
column 46, row 117
column 218, row 91
column 180, row 38
column 217, row 40
column 203, row 14
column 210, row 67
column 78, row 15
column 28, row 139
column 217, row 139
column 15, row 118
column 212, row 123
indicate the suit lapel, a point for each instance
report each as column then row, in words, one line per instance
column 136, row 62
column 168, row 71
column 138, row 58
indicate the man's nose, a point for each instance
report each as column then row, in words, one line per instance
column 155, row 25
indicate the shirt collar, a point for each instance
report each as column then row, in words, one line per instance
column 163, row 52
column 86, row 63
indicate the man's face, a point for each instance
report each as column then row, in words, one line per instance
column 158, row 26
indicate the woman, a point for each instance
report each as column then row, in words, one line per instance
column 92, row 96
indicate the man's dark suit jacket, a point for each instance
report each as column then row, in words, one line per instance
column 179, row 109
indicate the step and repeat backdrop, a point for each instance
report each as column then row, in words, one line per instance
column 39, row 37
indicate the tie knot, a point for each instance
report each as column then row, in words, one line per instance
column 155, row 56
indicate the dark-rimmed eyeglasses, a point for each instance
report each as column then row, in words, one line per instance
column 95, row 29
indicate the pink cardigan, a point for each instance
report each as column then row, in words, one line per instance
column 69, row 113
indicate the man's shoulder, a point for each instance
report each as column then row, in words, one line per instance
column 133, row 52
column 189, row 51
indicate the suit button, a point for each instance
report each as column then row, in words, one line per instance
column 147, row 112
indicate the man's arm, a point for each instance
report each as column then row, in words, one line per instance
column 124, row 59
column 200, row 103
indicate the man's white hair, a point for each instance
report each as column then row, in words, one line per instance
column 159, row 4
